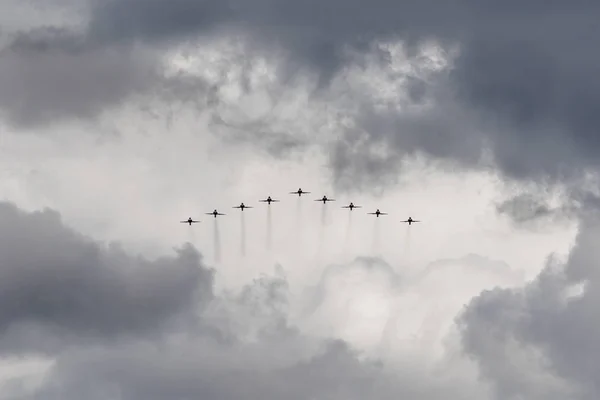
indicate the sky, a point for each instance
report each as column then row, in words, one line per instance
column 121, row 118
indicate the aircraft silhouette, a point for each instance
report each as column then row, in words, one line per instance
column 189, row 221
column 299, row 192
column 351, row 206
column 214, row 213
column 325, row 199
column 242, row 206
column 378, row 213
column 410, row 220
column 269, row 200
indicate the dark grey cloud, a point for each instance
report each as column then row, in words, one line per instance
column 142, row 373
column 533, row 210
column 273, row 363
column 51, row 74
column 548, row 327
column 522, row 93
column 59, row 288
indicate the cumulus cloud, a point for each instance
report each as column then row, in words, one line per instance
column 272, row 361
column 59, row 288
column 540, row 341
column 118, row 325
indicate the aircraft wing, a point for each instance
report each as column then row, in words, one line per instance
column 220, row 214
column 357, row 206
column 238, row 207
column 345, row 206
column 208, row 213
column 382, row 213
column 373, row 213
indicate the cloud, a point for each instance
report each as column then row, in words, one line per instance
column 277, row 362
column 118, row 325
column 540, row 340
column 58, row 288
column 49, row 75
column 523, row 101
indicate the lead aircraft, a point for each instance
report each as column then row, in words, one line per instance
column 299, row 192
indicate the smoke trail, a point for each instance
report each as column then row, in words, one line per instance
column 299, row 219
column 407, row 245
column 376, row 238
column 217, row 239
column 192, row 236
column 348, row 230
column 242, row 234
column 324, row 214
column 269, row 227
column 321, row 237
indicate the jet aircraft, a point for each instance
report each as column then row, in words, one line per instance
column 214, row 213
column 325, row 199
column 269, row 200
column 378, row 213
column 410, row 220
column 242, row 206
column 299, row 192
column 189, row 221
column 351, row 206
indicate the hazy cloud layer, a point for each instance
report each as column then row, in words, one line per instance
column 58, row 288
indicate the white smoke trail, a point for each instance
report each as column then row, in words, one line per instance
column 348, row 230
column 217, row 240
column 376, row 238
column 407, row 245
column 242, row 234
column 269, row 228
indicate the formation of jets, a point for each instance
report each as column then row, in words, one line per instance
column 299, row 192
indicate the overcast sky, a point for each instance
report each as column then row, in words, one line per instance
column 121, row 118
